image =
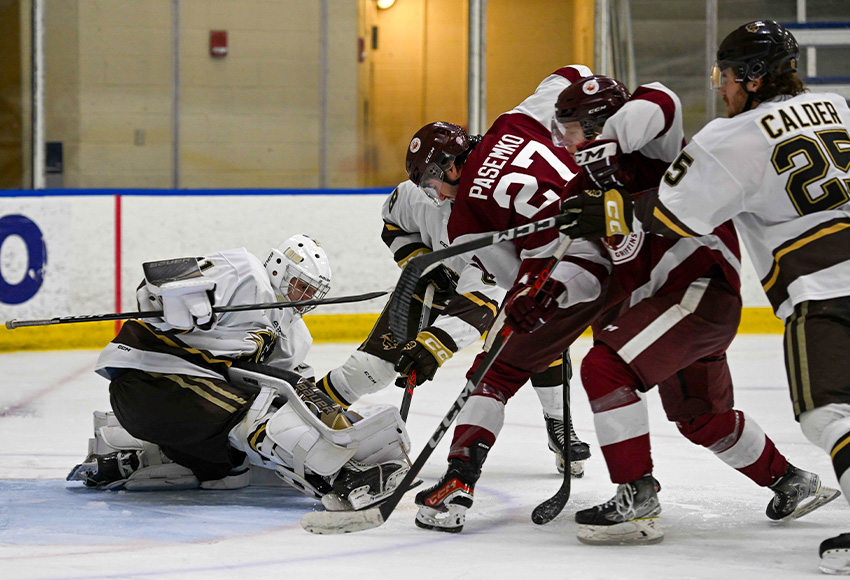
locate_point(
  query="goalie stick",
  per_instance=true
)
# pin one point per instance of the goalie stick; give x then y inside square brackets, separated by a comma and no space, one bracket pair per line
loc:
[343,522]
[549,509]
[427,302]
[12,324]
[417,267]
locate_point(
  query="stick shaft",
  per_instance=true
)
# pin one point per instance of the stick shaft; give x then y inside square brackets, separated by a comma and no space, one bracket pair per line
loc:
[12,324]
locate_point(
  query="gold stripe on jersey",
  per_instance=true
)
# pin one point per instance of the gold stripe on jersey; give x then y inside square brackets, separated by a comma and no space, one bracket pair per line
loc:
[474,309]
[670,224]
[814,250]
[185,384]
[791,362]
[174,344]
[805,382]
[841,444]
[482,302]
[407,253]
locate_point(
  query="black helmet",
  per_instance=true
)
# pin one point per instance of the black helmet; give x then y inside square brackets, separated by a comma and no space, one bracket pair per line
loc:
[757,49]
[589,101]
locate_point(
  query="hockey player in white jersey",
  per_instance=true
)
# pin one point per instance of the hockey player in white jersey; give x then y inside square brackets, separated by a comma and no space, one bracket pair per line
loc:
[199,397]
[464,306]
[779,168]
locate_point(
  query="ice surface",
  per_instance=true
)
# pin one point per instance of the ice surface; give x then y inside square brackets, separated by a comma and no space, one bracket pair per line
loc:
[713,517]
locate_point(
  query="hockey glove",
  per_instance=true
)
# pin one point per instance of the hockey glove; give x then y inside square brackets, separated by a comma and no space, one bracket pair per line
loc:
[601,163]
[598,214]
[425,354]
[525,313]
[188,303]
[443,279]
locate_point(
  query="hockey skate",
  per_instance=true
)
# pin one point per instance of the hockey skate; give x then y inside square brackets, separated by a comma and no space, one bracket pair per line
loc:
[835,555]
[443,506]
[630,517]
[359,486]
[792,489]
[110,471]
[579,450]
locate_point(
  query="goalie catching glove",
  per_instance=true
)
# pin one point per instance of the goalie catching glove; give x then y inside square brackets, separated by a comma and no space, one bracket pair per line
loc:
[425,355]
[599,214]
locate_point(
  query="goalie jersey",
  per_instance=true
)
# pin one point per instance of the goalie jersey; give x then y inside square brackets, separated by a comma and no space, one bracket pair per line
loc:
[415,225]
[276,337]
[780,173]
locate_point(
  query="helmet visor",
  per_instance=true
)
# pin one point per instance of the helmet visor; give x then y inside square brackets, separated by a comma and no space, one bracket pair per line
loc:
[432,183]
[567,134]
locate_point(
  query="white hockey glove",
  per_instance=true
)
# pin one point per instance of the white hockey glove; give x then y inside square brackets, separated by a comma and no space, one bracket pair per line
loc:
[188,303]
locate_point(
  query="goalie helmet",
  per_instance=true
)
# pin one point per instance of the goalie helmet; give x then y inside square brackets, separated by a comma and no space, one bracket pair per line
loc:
[431,153]
[756,49]
[299,270]
[589,101]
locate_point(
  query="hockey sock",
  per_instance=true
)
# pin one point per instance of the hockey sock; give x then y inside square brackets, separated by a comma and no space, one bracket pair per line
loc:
[619,414]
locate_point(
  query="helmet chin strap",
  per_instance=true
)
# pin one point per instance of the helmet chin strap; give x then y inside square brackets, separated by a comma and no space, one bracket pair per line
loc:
[750,97]
[452,181]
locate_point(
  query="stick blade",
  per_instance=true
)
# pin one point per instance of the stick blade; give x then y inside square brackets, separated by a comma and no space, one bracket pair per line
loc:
[549,509]
[342,522]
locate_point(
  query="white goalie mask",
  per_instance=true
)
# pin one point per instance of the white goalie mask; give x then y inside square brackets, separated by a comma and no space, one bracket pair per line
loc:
[299,270]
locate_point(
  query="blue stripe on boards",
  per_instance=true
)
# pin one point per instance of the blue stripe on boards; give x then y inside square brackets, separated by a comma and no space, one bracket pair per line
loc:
[188,192]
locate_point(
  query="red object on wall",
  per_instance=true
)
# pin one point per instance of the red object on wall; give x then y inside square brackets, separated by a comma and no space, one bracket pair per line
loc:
[218,43]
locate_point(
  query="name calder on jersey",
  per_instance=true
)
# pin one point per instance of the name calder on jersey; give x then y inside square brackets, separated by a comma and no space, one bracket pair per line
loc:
[799,116]
[492,165]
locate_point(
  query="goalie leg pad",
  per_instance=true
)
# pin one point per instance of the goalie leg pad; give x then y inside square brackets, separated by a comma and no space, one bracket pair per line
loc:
[117,460]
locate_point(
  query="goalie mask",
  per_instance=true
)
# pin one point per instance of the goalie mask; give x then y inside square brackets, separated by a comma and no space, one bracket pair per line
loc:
[299,270]
[584,106]
[431,153]
[754,50]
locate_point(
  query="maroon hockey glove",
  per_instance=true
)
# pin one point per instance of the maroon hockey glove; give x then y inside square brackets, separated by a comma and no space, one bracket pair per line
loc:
[598,214]
[600,161]
[526,313]
[425,354]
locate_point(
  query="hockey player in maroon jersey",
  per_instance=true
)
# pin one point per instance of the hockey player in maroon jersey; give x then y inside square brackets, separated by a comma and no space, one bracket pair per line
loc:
[672,309]
[778,168]
[513,176]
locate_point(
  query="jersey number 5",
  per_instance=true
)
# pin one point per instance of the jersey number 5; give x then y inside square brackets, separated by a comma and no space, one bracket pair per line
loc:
[831,148]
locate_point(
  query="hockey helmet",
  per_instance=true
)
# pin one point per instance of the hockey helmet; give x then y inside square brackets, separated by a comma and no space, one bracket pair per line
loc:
[754,50]
[431,153]
[299,270]
[589,101]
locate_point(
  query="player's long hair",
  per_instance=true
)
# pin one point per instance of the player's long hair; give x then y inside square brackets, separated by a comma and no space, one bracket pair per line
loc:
[783,84]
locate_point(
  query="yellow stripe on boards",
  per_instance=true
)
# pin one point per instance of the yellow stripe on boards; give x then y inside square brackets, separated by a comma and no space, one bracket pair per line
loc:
[323,327]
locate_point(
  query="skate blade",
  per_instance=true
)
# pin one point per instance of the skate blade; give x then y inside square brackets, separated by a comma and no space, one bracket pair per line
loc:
[451,520]
[360,498]
[341,522]
[335,503]
[577,469]
[823,496]
[835,562]
[633,532]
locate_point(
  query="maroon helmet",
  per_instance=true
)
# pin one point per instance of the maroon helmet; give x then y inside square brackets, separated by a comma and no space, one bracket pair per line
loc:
[431,153]
[589,101]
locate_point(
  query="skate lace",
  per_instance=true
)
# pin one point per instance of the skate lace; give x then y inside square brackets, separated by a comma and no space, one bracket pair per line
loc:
[573,437]
[558,428]
[624,502]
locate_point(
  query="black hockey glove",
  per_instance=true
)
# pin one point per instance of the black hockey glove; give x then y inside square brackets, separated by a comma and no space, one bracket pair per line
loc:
[443,279]
[425,355]
[598,214]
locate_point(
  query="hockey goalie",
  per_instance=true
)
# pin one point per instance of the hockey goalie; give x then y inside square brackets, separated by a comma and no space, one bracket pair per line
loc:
[212,400]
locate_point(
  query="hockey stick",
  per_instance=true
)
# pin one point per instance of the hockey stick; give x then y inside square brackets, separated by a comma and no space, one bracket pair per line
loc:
[427,302]
[417,267]
[549,509]
[343,522]
[12,324]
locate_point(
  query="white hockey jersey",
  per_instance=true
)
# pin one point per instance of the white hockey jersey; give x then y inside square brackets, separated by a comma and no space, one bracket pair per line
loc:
[780,173]
[414,225]
[276,337]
